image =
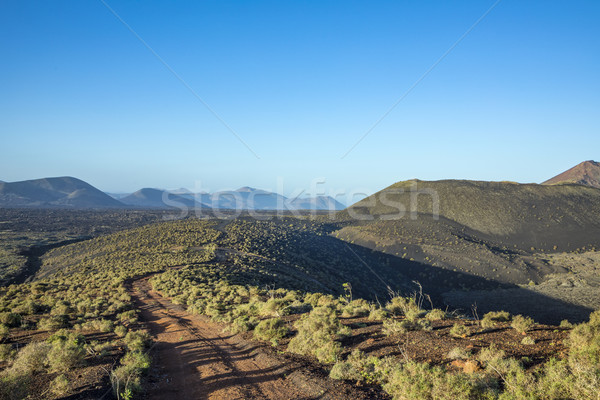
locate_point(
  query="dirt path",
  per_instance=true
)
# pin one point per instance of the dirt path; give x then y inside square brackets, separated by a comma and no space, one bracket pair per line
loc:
[195,360]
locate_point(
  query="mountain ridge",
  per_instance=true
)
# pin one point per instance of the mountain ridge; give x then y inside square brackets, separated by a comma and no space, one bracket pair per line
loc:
[586,173]
[65,191]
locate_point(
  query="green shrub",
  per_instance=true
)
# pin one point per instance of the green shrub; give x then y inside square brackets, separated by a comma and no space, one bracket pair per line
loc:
[65,355]
[378,314]
[32,358]
[10,319]
[528,341]
[128,317]
[404,306]
[53,323]
[317,334]
[522,324]
[137,340]
[413,380]
[566,324]
[557,381]
[458,353]
[356,308]
[275,308]
[361,368]
[242,324]
[102,325]
[120,331]
[272,330]
[435,315]
[392,327]
[137,359]
[584,357]
[14,384]
[125,381]
[4,332]
[344,370]
[490,319]
[60,386]
[459,330]
[7,353]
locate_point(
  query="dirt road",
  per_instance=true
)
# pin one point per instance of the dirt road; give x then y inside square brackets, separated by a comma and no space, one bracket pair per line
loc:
[194,359]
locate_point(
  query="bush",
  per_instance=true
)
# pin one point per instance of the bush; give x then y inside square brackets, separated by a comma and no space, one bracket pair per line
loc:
[7,353]
[272,330]
[404,306]
[458,353]
[566,324]
[128,317]
[413,380]
[53,323]
[137,359]
[584,358]
[435,315]
[32,358]
[317,332]
[125,381]
[10,319]
[522,324]
[137,340]
[120,331]
[356,308]
[275,308]
[242,324]
[344,370]
[14,384]
[66,354]
[60,386]
[528,341]
[102,325]
[4,332]
[392,327]
[378,314]
[490,319]
[459,330]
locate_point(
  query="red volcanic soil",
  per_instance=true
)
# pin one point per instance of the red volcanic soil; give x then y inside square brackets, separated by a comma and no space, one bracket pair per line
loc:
[195,359]
[587,173]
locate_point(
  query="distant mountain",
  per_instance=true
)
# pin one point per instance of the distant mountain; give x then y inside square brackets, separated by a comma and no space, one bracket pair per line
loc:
[54,192]
[245,198]
[316,203]
[157,198]
[118,196]
[587,173]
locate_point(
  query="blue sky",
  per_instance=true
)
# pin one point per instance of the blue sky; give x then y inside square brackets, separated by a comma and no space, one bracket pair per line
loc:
[300,82]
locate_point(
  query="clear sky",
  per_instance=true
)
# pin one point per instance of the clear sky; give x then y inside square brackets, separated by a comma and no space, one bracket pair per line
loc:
[518,98]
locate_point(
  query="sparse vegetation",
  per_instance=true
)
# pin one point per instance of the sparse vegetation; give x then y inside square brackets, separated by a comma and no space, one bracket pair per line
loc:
[265,277]
[317,334]
[272,329]
[460,330]
[522,324]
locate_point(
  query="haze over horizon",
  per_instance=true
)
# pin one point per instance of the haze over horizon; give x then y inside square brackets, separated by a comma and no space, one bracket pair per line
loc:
[300,84]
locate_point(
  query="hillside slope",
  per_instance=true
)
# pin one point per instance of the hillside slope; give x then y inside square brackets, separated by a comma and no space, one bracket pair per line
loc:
[54,192]
[511,214]
[587,173]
